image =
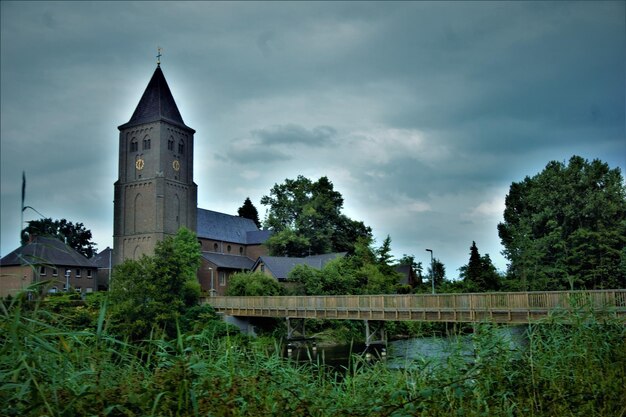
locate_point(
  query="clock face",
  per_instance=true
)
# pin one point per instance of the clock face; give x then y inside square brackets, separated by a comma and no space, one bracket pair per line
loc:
[139,164]
[176,165]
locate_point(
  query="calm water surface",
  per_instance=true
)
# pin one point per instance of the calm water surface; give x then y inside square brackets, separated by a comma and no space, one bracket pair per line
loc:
[402,353]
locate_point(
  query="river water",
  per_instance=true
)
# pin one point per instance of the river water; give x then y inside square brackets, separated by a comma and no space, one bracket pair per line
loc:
[402,353]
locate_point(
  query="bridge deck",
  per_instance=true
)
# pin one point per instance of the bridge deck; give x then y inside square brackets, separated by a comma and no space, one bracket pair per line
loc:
[501,307]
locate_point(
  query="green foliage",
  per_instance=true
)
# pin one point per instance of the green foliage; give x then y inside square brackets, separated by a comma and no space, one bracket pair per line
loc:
[480,274]
[438,270]
[367,271]
[565,227]
[572,369]
[288,242]
[306,219]
[248,211]
[416,266]
[75,236]
[253,283]
[155,290]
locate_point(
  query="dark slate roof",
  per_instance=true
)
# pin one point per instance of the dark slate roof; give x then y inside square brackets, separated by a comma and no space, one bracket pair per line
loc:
[46,251]
[222,260]
[156,104]
[281,266]
[104,258]
[258,236]
[228,228]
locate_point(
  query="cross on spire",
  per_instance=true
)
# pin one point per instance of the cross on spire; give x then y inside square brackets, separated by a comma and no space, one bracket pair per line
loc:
[158,57]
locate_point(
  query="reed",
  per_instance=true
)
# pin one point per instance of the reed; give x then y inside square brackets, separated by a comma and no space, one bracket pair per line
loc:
[49,368]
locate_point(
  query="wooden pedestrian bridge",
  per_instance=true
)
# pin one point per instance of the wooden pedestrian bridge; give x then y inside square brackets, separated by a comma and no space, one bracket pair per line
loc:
[498,307]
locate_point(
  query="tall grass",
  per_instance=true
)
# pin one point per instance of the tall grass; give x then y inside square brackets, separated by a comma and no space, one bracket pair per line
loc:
[576,369]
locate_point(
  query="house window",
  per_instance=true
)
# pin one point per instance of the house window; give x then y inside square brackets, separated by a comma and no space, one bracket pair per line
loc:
[215,247]
[42,270]
[222,278]
[77,272]
[146,143]
[53,290]
[170,144]
[134,145]
[262,268]
[228,248]
[55,272]
[88,289]
[240,250]
[77,289]
[89,273]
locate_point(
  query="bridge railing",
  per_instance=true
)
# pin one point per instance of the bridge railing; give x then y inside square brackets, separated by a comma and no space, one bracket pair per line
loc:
[512,301]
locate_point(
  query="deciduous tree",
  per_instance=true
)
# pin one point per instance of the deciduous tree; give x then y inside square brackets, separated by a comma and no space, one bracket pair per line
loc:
[253,283]
[566,227]
[154,291]
[75,236]
[306,219]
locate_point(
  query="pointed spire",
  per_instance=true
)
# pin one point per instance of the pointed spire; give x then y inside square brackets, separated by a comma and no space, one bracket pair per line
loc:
[156,104]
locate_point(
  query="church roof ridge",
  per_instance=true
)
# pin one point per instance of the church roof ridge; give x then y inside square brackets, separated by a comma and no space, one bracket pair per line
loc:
[156,104]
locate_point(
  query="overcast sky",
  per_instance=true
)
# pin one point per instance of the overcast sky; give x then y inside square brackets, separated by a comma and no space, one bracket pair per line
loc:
[421,114]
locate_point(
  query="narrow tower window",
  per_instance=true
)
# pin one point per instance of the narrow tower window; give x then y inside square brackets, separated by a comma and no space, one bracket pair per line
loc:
[134,145]
[170,144]
[181,147]
[146,143]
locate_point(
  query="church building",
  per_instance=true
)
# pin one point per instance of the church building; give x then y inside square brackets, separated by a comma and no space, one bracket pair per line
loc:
[155,194]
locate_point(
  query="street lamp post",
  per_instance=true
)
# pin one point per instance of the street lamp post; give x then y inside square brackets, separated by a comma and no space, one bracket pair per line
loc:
[212,292]
[67,279]
[432,269]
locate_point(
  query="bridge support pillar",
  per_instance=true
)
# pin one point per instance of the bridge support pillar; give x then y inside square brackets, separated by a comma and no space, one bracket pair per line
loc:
[295,326]
[375,332]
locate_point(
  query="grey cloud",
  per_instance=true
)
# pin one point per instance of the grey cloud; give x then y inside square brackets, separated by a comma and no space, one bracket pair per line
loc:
[295,134]
[256,155]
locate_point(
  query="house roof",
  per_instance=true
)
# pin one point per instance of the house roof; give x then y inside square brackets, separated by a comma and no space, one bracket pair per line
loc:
[46,251]
[281,266]
[156,104]
[222,260]
[229,228]
[103,259]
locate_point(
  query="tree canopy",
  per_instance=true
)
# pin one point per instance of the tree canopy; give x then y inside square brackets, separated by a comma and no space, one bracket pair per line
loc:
[155,290]
[366,271]
[480,274]
[565,228]
[75,236]
[248,211]
[253,283]
[306,219]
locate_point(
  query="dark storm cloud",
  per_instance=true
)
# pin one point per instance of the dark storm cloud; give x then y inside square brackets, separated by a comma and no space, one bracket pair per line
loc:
[421,113]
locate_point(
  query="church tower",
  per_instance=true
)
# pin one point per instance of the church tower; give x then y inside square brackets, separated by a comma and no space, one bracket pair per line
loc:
[155,194]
